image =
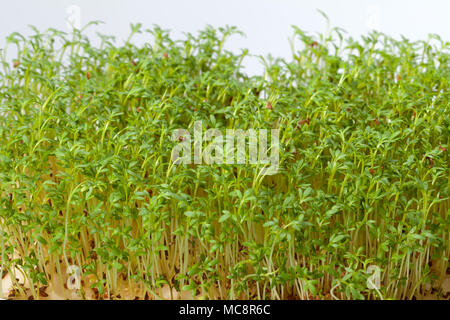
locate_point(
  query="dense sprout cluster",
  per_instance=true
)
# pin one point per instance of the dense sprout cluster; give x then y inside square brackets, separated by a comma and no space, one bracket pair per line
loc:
[86,176]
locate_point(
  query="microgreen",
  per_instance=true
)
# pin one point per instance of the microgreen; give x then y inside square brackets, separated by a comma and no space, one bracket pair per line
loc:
[86,176]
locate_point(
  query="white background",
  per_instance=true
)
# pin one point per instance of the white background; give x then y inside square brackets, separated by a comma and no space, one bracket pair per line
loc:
[266,23]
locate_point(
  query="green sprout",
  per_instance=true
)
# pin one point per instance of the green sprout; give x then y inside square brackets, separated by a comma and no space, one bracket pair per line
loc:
[86,177]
